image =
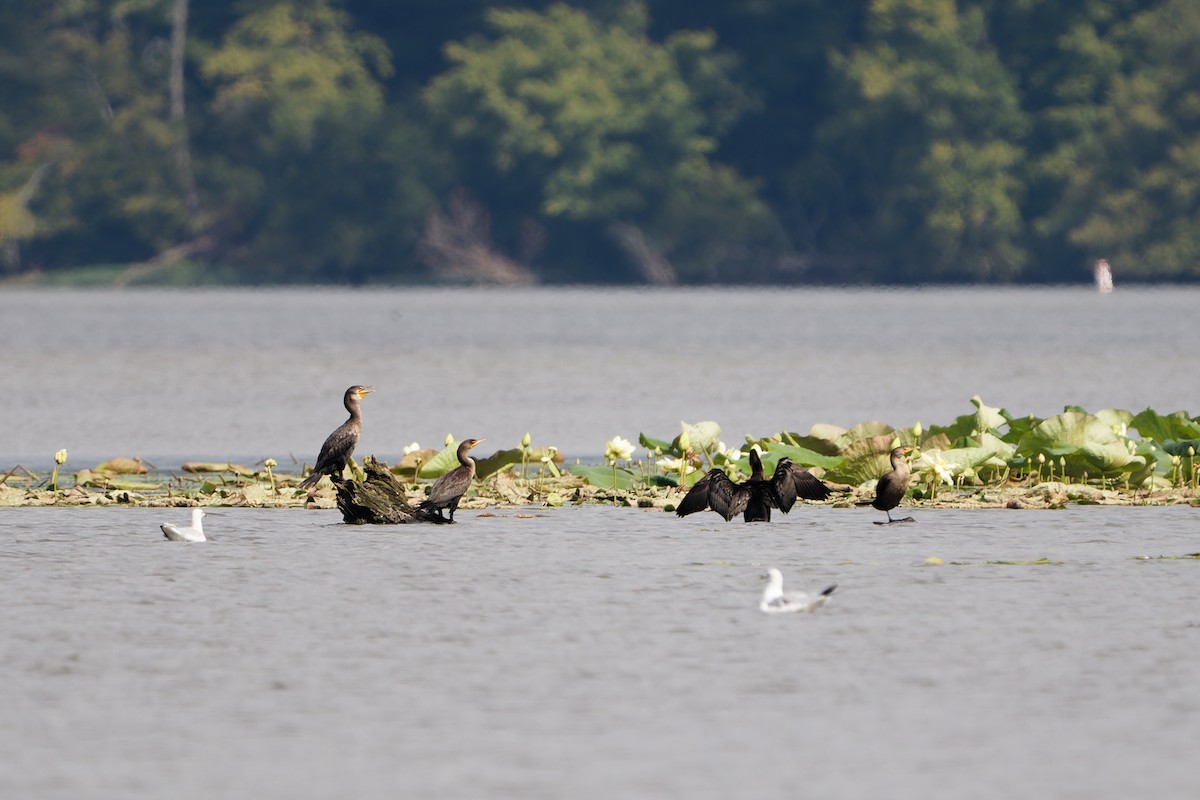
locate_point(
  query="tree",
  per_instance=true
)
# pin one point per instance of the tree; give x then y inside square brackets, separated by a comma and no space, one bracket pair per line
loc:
[920,152]
[582,119]
[1124,165]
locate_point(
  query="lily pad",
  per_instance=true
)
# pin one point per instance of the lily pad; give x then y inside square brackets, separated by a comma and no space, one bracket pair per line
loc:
[1087,444]
[603,476]
[865,460]
[702,436]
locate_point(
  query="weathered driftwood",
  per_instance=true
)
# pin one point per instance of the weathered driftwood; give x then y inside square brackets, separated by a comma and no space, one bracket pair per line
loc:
[378,500]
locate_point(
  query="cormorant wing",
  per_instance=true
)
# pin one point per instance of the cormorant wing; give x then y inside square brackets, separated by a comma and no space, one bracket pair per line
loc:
[791,481]
[714,491]
[451,485]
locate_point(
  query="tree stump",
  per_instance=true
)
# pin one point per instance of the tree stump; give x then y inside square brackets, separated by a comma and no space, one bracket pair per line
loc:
[378,500]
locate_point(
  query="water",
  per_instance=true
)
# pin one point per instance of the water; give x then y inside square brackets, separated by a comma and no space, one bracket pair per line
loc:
[596,653]
[584,652]
[245,375]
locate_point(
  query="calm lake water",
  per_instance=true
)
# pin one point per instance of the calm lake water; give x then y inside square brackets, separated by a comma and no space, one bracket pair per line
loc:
[585,652]
[598,653]
[245,375]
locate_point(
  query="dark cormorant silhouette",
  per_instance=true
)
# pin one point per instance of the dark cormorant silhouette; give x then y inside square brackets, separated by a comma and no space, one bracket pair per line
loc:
[755,497]
[892,486]
[449,489]
[341,443]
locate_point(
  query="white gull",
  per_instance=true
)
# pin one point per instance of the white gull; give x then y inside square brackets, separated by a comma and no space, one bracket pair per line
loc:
[192,533]
[774,601]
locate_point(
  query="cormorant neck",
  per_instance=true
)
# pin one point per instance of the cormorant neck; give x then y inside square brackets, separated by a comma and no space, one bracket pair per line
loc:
[756,467]
[463,455]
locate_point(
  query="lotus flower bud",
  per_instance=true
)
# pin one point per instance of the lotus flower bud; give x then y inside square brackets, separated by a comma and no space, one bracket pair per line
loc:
[270,463]
[917,429]
[60,457]
[526,440]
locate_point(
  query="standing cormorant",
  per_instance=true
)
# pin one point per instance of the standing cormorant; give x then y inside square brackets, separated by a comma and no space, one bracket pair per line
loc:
[449,489]
[340,445]
[890,489]
[755,497]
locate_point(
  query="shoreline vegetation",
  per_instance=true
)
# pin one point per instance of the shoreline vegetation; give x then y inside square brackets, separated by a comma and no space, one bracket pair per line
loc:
[985,459]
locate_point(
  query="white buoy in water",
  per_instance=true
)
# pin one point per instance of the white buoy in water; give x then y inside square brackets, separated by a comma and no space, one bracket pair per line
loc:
[1103,275]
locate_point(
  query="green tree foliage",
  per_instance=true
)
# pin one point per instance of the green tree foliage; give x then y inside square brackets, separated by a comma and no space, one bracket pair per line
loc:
[1125,164]
[602,124]
[926,138]
[651,140]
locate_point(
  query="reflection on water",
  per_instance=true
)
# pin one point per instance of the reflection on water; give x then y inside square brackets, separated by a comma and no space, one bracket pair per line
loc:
[597,653]
[251,374]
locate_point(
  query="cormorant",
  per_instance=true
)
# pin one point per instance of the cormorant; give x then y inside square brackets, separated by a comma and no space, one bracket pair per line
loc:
[340,445]
[890,489]
[755,497]
[774,601]
[449,489]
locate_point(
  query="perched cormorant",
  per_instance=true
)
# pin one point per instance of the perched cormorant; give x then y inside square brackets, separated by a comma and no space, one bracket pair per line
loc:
[449,489]
[892,486]
[340,445]
[755,497]
[192,533]
[774,601]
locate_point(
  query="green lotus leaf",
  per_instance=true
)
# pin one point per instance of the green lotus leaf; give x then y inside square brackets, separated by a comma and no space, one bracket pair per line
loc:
[998,446]
[828,433]
[962,458]
[1116,418]
[503,459]
[825,447]
[1151,425]
[865,460]
[800,455]
[938,441]
[703,436]
[1018,427]
[602,476]
[986,417]
[661,445]
[442,463]
[1084,440]
[867,430]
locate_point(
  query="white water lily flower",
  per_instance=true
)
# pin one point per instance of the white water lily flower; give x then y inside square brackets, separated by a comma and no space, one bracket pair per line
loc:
[412,448]
[941,469]
[679,465]
[618,449]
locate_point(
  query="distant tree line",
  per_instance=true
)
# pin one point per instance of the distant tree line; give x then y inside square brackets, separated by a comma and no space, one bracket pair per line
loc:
[657,141]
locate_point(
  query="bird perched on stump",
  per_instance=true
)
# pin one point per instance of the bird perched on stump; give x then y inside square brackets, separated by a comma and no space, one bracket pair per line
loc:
[449,489]
[892,486]
[755,497]
[341,443]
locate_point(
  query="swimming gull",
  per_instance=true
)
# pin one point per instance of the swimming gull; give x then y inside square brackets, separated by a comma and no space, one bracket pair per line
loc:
[774,601]
[192,533]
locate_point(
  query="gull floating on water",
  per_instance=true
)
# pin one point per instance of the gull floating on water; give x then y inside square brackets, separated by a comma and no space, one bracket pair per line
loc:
[774,601]
[192,533]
